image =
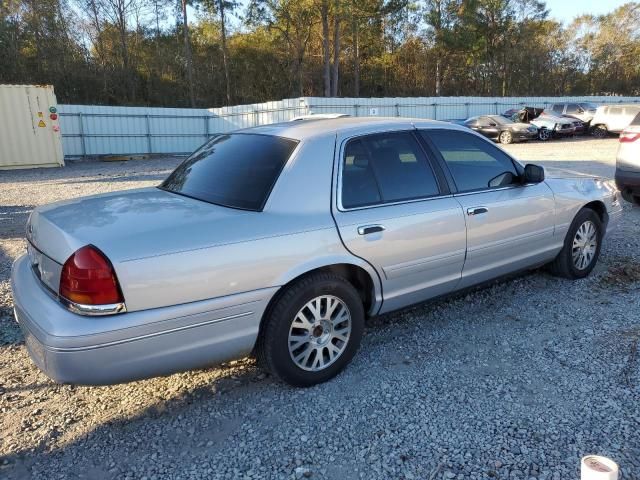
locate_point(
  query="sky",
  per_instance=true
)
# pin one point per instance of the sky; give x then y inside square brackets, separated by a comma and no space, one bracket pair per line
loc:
[567,10]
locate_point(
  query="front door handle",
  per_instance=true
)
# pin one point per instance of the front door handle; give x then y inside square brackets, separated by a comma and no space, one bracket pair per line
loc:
[477,210]
[367,229]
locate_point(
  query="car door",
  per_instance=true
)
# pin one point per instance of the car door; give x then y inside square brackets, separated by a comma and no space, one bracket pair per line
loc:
[510,226]
[488,127]
[393,208]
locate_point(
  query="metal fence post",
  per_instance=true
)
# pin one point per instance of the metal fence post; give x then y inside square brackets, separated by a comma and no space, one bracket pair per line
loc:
[148,122]
[206,128]
[397,109]
[82,138]
[435,111]
[466,111]
[355,109]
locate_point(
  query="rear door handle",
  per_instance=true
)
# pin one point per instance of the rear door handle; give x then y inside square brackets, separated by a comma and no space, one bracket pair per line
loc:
[367,229]
[477,210]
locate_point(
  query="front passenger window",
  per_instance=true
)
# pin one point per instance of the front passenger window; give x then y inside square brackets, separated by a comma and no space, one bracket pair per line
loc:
[474,163]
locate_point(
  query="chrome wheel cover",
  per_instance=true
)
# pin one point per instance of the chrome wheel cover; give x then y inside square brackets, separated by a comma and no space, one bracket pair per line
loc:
[585,244]
[319,333]
[505,137]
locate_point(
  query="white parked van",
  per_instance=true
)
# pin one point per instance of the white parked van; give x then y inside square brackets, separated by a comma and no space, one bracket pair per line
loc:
[613,119]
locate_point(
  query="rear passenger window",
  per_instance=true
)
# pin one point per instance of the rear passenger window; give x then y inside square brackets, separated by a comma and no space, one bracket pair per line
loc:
[474,163]
[636,121]
[384,168]
[558,108]
[573,108]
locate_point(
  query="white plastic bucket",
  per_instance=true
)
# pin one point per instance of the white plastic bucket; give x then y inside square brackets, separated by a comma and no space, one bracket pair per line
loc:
[594,467]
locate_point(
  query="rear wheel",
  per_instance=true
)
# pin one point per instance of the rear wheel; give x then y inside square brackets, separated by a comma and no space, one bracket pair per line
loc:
[544,134]
[313,330]
[600,131]
[506,137]
[581,246]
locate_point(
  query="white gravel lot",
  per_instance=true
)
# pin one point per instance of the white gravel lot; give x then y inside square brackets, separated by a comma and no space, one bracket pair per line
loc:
[514,381]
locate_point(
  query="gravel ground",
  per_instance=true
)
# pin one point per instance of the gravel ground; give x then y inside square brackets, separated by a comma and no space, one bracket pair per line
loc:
[514,381]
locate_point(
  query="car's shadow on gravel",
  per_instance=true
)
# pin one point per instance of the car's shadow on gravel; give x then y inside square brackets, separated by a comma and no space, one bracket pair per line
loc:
[232,383]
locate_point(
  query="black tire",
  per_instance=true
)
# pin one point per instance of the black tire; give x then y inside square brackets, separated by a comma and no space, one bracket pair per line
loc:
[272,349]
[506,137]
[628,196]
[563,265]
[544,135]
[600,131]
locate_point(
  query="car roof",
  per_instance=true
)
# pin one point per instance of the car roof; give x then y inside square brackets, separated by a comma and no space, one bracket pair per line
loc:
[313,128]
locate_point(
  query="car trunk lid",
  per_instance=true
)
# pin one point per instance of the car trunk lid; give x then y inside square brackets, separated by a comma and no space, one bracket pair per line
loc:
[126,225]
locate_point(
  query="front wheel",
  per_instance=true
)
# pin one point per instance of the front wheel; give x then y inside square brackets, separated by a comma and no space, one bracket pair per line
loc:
[544,134]
[312,331]
[506,137]
[581,246]
[600,131]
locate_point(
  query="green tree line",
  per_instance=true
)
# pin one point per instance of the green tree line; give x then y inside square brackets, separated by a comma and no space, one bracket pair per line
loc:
[207,53]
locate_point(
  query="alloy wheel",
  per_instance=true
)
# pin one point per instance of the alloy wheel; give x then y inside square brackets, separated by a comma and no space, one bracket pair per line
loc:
[506,137]
[319,333]
[585,244]
[544,134]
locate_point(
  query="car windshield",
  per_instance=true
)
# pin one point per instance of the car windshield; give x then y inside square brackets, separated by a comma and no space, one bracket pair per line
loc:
[232,170]
[588,106]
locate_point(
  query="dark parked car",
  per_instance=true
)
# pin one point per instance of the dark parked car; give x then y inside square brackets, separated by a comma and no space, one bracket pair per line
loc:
[501,129]
[548,126]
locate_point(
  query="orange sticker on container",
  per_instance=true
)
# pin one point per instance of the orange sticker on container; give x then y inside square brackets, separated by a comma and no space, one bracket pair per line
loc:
[41,124]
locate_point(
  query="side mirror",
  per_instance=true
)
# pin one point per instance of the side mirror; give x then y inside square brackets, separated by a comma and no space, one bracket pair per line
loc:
[533,173]
[493,124]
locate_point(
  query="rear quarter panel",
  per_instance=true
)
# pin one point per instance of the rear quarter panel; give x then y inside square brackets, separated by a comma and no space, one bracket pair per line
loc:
[289,238]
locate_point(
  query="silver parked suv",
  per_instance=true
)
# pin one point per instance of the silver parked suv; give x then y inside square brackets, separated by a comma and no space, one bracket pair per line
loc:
[281,239]
[583,111]
[628,162]
[612,119]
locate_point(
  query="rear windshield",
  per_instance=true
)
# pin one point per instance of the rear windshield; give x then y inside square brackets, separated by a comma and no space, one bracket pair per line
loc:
[232,170]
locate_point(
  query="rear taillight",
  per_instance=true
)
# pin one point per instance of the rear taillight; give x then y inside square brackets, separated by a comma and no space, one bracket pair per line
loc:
[629,137]
[88,278]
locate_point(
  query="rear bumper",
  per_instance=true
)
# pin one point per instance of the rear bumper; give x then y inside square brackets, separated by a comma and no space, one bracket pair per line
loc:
[628,181]
[72,348]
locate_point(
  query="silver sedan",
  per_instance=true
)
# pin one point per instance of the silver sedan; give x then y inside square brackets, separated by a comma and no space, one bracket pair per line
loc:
[280,240]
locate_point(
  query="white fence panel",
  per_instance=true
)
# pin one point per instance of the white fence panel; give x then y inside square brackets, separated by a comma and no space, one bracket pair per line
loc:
[98,130]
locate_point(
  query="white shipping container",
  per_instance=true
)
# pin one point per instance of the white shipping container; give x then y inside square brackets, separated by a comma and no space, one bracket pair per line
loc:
[29,127]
